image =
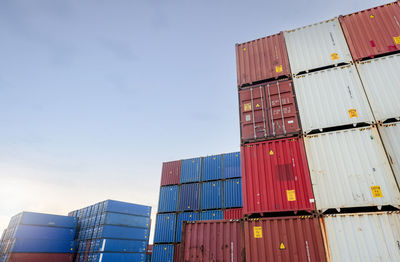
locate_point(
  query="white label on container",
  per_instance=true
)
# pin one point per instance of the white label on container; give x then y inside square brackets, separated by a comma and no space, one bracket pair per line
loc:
[290,122]
[312,200]
[104,243]
[248,117]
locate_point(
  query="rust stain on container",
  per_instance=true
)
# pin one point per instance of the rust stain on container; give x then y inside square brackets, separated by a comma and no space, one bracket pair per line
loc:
[262,59]
[373,31]
[171,173]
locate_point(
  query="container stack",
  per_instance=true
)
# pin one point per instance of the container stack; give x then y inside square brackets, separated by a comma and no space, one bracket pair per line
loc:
[112,231]
[35,237]
[203,188]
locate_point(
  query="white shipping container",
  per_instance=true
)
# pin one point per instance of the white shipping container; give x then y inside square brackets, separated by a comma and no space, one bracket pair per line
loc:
[362,237]
[349,168]
[390,134]
[331,97]
[381,80]
[315,46]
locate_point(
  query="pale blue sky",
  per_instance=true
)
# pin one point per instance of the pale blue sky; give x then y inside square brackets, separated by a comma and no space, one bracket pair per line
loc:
[95,95]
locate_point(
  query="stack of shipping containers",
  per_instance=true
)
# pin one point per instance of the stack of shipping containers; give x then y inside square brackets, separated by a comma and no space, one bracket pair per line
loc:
[112,231]
[38,237]
[204,188]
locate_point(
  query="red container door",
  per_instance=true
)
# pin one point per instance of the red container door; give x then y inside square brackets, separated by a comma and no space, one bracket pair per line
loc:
[275,177]
[268,111]
[171,173]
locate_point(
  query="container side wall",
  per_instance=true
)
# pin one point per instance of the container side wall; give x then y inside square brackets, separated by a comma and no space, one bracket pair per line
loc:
[186,216]
[212,168]
[163,253]
[191,170]
[233,193]
[232,165]
[171,173]
[189,198]
[165,228]
[233,213]
[168,201]
[212,215]
[211,195]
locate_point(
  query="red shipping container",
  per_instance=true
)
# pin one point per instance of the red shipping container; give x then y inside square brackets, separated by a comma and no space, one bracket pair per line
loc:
[40,257]
[275,177]
[262,59]
[213,240]
[177,252]
[233,213]
[171,173]
[373,31]
[149,249]
[284,239]
[268,111]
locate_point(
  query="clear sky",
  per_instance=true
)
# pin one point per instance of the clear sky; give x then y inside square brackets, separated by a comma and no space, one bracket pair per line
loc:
[95,95]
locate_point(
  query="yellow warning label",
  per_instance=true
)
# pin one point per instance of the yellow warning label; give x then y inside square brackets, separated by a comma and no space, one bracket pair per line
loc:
[247,107]
[353,113]
[376,191]
[291,195]
[278,69]
[334,56]
[397,40]
[271,153]
[282,246]
[213,214]
[237,183]
[165,248]
[257,105]
[371,16]
[213,184]
[257,232]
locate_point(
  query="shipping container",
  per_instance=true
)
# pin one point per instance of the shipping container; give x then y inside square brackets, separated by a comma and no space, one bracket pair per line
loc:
[171,173]
[116,257]
[362,237]
[233,193]
[219,240]
[39,246]
[39,257]
[189,198]
[381,80]
[390,134]
[232,165]
[268,111]
[117,219]
[43,232]
[212,215]
[163,253]
[373,31]
[233,213]
[284,239]
[275,177]
[118,245]
[212,168]
[211,195]
[126,208]
[350,169]
[262,59]
[168,201]
[165,228]
[120,232]
[186,216]
[330,98]
[177,253]
[40,219]
[191,170]
[316,46]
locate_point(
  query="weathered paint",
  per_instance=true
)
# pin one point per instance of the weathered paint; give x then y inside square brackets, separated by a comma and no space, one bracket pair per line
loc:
[171,173]
[186,216]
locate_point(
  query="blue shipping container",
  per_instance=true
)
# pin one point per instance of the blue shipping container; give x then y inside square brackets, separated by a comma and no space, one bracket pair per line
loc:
[187,216]
[189,197]
[120,232]
[40,246]
[212,168]
[118,245]
[212,215]
[126,208]
[163,253]
[116,257]
[191,170]
[233,193]
[39,219]
[148,257]
[43,232]
[165,228]
[232,165]
[118,219]
[211,195]
[168,201]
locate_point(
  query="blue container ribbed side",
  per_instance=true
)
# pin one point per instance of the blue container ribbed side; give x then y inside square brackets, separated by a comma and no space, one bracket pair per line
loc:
[126,208]
[191,170]
[212,215]
[118,245]
[211,195]
[119,232]
[43,232]
[163,253]
[212,168]
[187,216]
[39,219]
[168,201]
[233,193]
[232,165]
[118,219]
[116,257]
[189,197]
[40,246]
[165,228]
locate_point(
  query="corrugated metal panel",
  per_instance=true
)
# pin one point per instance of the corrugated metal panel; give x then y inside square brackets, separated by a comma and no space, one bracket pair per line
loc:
[189,197]
[284,239]
[40,246]
[373,31]
[39,257]
[233,213]
[332,97]
[390,134]
[232,165]
[120,232]
[363,237]
[165,228]
[171,173]
[43,232]
[177,253]
[315,46]
[186,216]
[163,253]
[212,168]
[118,245]
[381,80]
[211,195]
[126,208]
[212,215]
[168,201]
[275,177]
[117,219]
[262,59]
[350,169]
[116,257]
[268,111]
[40,219]
[191,170]
[212,241]
[233,193]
